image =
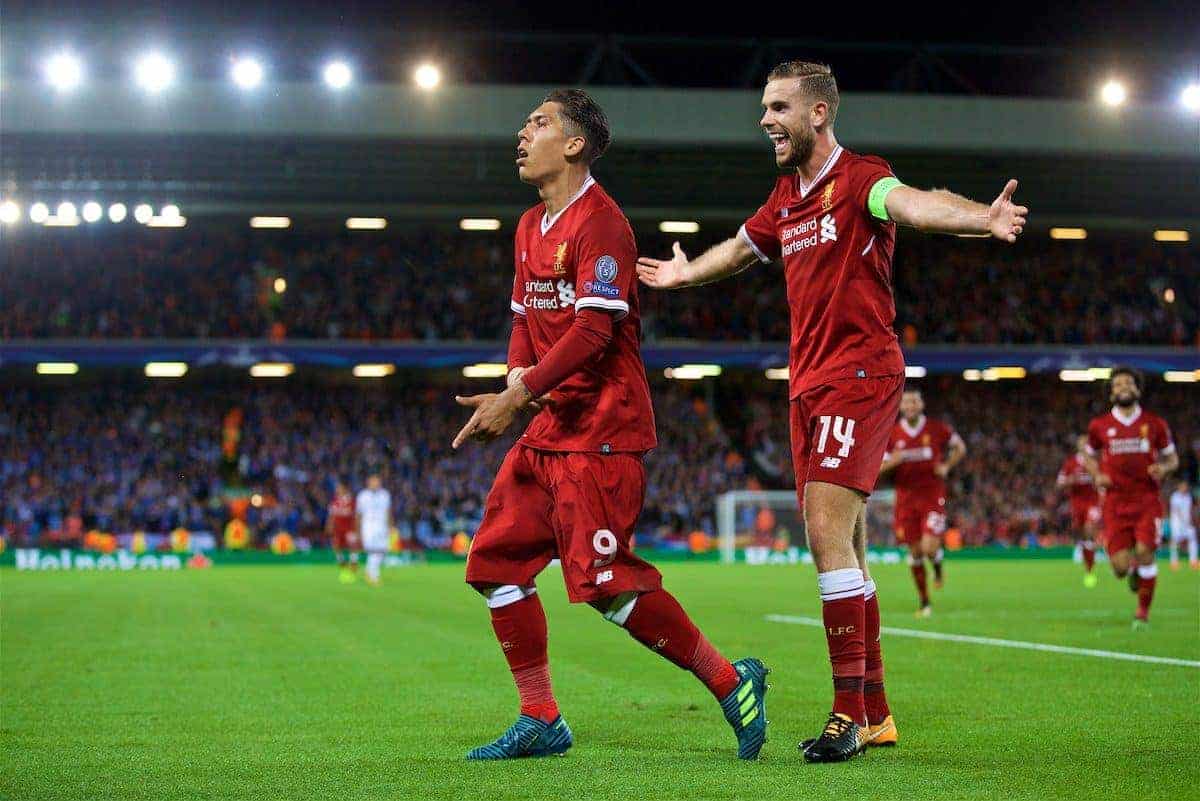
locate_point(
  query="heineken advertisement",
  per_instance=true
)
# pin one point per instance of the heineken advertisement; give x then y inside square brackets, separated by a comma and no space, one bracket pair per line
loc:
[50,559]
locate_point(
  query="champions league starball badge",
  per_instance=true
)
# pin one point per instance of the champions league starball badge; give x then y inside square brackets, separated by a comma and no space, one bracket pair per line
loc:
[606,269]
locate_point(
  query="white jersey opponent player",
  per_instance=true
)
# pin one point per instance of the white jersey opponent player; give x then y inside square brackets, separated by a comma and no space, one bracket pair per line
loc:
[1183,525]
[373,508]
[832,220]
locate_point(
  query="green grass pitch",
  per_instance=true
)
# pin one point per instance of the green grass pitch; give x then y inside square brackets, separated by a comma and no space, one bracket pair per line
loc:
[280,683]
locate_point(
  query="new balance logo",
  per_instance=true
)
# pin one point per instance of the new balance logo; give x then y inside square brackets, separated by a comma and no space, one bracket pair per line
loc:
[828,228]
[831,462]
[603,576]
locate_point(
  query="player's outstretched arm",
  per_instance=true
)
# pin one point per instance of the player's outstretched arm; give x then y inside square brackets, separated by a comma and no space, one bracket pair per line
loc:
[943,212]
[720,261]
[1165,466]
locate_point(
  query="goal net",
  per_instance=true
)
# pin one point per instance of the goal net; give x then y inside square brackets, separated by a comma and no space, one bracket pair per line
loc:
[762,527]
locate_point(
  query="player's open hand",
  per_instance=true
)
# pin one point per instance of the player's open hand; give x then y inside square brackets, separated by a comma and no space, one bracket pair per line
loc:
[1006,220]
[1157,471]
[664,274]
[493,415]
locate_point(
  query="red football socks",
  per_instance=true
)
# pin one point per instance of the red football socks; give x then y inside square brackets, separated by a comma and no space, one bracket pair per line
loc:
[843,608]
[873,695]
[659,623]
[918,571]
[521,631]
[1089,555]
[1147,578]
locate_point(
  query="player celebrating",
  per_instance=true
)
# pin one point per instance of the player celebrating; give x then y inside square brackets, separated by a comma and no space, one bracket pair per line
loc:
[1074,477]
[1129,453]
[339,525]
[833,222]
[922,452]
[1183,525]
[373,508]
[572,486]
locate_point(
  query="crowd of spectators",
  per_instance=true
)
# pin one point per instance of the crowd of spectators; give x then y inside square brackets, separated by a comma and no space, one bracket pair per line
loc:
[211,282]
[125,457]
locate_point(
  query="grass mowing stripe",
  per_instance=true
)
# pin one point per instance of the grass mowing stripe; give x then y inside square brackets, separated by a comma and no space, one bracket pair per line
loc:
[1028,646]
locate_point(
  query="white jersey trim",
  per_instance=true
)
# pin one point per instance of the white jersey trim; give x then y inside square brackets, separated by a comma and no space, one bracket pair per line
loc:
[745,235]
[821,173]
[516,307]
[619,306]
[912,432]
[1127,421]
[548,222]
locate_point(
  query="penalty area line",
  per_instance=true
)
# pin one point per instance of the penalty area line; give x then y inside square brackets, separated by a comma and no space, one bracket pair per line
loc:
[998,643]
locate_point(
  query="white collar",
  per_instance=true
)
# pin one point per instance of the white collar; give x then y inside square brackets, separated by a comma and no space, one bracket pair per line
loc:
[821,173]
[548,221]
[912,432]
[1127,421]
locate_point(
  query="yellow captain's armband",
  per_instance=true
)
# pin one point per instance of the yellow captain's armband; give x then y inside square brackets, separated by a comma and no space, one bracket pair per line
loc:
[877,199]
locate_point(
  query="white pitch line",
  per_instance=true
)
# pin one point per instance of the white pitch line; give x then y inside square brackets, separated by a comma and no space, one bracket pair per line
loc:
[1028,646]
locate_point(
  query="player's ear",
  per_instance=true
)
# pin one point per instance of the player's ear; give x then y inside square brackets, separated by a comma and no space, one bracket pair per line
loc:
[574,147]
[819,114]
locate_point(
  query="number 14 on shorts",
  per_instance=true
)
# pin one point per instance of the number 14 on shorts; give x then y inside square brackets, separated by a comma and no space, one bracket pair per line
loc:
[842,429]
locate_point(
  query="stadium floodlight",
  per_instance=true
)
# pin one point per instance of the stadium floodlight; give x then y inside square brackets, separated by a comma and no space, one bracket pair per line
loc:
[692,372]
[272,369]
[65,210]
[778,373]
[337,75]
[914,371]
[485,370]
[972,375]
[1169,295]
[117,212]
[1189,98]
[479,224]
[154,72]
[1085,374]
[1167,235]
[1068,233]
[270,222]
[679,226]
[999,373]
[65,216]
[143,212]
[279,285]
[92,211]
[1181,376]
[1113,93]
[168,211]
[427,77]
[39,212]
[247,73]
[57,368]
[366,223]
[10,212]
[374,370]
[64,71]
[166,222]
[166,369]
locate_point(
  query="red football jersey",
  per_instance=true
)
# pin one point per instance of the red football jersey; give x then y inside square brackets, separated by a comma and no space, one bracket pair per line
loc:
[837,262]
[584,258]
[341,512]
[1078,481]
[1127,446]
[921,447]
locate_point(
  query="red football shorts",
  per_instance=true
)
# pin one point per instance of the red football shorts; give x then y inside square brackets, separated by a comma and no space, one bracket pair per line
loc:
[840,431]
[577,507]
[345,540]
[1131,520]
[919,516]
[1085,514]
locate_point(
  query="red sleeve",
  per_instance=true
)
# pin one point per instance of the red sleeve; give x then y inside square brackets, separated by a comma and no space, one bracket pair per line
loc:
[867,171]
[760,233]
[604,263]
[586,339]
[520,346]
[1095,441]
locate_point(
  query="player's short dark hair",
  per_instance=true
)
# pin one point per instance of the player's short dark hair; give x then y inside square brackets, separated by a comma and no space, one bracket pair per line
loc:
[817,80]
[582,116]
[1139,380]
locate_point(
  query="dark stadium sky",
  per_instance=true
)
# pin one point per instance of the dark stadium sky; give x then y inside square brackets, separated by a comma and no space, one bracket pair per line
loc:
[1133,25]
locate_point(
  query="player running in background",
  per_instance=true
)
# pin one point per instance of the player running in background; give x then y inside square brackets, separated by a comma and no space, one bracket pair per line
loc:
[1074,478]
[373,508]
[573,485]
[832,220]
[340,527]
[1183,525]
[922,451]
[1129,453]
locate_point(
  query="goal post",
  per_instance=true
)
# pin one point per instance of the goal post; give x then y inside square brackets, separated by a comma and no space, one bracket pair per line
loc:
[764,525]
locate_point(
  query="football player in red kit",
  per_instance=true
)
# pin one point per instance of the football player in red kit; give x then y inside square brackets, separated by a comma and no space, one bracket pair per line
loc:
[832,220]
[572,486]
[922,451]
[1074,478]
[1129,453]
[339,525]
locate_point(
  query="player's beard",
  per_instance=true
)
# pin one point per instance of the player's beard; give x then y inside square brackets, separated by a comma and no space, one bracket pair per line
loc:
[1126,400]
[802,144]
